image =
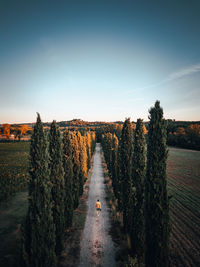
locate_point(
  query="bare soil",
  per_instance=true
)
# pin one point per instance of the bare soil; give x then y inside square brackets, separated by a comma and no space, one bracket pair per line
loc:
[183,171]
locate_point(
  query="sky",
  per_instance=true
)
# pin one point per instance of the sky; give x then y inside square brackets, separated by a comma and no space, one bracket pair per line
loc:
[99,60]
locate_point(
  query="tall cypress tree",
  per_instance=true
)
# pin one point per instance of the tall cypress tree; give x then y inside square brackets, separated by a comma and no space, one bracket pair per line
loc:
[156,197]
[119,175]
[58,184]
[38,244]
[82,162]
[76,169]
[115,164]
[126,150]
[84,158]
[108,150]
[88,140]
[93,136]
[68,176]
[138,176]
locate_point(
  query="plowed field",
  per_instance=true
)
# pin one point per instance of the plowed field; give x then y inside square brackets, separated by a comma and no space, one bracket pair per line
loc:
[183,170]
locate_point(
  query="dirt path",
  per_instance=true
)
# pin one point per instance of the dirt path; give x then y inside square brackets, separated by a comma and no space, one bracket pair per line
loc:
[97,248]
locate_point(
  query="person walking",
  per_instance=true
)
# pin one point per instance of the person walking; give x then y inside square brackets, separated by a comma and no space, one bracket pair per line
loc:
[98,207]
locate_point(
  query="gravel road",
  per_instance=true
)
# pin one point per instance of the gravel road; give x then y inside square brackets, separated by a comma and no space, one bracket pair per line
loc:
[97,248]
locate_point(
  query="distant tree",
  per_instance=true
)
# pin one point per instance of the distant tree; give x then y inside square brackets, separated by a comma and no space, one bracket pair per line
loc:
[180,131]
[20,130]
[126,150]
[58,184]
[68,175]
[138,176]
[156,197]
[76,169]
[38,232]
[6,130]
[193,134]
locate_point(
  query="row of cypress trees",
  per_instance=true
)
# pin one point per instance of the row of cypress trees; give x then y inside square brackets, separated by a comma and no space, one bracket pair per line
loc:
[58,169]
[138,174]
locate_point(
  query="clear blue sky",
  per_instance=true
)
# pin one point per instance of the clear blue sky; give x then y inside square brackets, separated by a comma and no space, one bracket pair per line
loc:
[99,60]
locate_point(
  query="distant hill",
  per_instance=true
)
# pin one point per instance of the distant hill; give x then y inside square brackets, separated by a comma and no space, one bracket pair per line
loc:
[82,123]
[73,123]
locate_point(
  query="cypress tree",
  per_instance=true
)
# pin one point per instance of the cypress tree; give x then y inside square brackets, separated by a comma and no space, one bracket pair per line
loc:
[58,184]
[38,241]
[156,197]
[138,176]
[68,176]
[82,162]
[119,175]
[108,151]
[115,164]
[88,144]
[126,150]
[84,158]
[93,135]
[76,169]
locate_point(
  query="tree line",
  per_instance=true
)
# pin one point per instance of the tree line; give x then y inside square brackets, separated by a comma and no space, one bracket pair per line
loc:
[58,170]
[137,167]
[16,130]
[183,134]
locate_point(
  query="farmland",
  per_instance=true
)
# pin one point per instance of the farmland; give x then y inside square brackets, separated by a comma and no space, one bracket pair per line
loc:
[183,170]
[13,167]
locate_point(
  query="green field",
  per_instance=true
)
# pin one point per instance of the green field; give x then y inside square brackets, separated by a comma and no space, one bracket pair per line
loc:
[13,178]
[183,170]
[13,168]
[12,213]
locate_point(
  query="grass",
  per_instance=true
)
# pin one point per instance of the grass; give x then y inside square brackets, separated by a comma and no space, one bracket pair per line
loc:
[13,178]
[12,213]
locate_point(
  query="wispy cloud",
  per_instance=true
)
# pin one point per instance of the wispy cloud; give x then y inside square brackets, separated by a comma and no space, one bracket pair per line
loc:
[184,72]
[171,77]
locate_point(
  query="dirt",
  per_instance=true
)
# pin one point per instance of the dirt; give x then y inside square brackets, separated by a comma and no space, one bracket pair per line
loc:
[183,170]
[97,248]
